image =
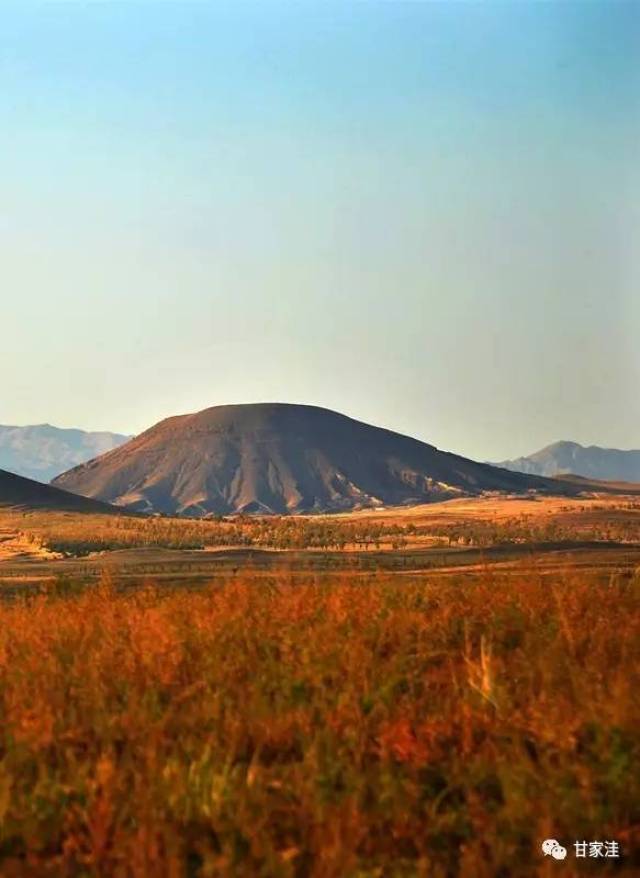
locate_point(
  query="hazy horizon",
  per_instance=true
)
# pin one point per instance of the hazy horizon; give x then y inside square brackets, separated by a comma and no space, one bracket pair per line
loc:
[132,435]
[420,215]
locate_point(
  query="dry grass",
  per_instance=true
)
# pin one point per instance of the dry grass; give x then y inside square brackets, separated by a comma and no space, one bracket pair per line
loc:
[480,522]
[325,729]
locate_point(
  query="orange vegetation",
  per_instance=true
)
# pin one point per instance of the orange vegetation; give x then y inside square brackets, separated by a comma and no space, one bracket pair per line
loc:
[320,728]
[479,522]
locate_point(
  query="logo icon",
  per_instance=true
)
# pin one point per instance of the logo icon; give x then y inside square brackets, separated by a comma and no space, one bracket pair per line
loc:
[551,847]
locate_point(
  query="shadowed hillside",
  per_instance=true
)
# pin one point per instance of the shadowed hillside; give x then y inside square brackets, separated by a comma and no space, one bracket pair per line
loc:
[281,458]
[16,491]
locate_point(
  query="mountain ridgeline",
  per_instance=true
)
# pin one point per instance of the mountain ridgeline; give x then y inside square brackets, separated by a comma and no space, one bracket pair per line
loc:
[281,458]
[608,464]
[41,451]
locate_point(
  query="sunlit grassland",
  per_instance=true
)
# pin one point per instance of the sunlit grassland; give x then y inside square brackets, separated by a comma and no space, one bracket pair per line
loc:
[292,727]
[478,522]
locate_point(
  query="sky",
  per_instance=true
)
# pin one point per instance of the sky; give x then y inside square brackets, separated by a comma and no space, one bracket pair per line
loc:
[424,215]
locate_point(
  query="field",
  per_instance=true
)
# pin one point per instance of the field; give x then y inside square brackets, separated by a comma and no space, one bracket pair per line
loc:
[426,692]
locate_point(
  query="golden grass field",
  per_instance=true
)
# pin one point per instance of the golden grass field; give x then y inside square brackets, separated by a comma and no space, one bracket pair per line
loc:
[310,701]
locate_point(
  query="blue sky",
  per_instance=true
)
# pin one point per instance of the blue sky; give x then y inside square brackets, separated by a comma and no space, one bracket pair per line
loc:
[425,215]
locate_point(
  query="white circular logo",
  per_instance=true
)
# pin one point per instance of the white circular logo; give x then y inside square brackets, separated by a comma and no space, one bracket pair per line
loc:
[551,847]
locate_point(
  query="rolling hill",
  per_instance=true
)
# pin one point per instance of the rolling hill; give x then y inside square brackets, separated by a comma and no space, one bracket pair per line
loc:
[281,458]
[593,462]
[19,492]
[41,451]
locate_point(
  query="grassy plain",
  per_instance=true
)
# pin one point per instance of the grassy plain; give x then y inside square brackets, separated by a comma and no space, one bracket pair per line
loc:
[425,692]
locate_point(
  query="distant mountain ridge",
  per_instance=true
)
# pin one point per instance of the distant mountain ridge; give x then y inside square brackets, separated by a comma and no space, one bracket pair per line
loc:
[282,458]
[42,452]
[608,464]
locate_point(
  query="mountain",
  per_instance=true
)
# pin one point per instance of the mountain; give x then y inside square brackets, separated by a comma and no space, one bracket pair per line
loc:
[608,464]
[41,452]
[279,458]
[18,492]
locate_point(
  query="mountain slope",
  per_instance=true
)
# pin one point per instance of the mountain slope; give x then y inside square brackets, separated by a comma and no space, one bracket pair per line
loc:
[280,458]
[41,451]
[609,464]
[18,492]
